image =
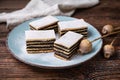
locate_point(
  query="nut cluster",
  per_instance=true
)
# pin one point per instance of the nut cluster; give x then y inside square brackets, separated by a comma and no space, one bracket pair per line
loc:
[86,45]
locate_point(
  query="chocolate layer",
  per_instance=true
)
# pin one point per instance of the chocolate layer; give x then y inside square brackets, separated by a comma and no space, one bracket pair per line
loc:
[51,27]
[39,43]
[63,47]
[83,29]
[39,51]
[46,48]
[64,56]
[84,32]
[39,46]
[65,52]
[42,41]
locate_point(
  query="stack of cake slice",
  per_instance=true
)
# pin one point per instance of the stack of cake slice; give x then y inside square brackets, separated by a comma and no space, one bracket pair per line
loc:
[39,41]
[79,26]
[45,23]
[67,45]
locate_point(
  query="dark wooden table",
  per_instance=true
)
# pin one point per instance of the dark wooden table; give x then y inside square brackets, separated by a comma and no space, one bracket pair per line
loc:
[98,68]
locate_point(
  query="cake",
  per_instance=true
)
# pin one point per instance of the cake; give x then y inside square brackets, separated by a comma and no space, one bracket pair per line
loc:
[78,25]
[66,46]
[45,23]
[39,41]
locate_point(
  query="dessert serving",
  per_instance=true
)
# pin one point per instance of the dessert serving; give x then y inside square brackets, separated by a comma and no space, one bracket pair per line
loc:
[79,26]
[42,40]
[17,43]
[39,41]
[66,46]
[48,22]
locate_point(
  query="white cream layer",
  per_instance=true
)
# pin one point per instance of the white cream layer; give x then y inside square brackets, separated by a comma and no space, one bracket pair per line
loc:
[74,24]
[39,35]
[43,22]
[69,39]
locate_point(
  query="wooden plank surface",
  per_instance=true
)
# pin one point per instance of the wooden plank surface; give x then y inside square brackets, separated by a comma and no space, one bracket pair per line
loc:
[98,68]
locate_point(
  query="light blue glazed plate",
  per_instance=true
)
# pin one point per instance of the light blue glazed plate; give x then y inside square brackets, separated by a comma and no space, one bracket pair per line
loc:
[16,44]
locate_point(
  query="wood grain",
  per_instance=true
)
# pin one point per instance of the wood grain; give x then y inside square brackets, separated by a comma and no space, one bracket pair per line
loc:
[98,68]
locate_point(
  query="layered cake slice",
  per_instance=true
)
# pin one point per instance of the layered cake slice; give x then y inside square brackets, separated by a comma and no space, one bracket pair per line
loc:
[67,45]
[39,41]
[79,26]
[45,23]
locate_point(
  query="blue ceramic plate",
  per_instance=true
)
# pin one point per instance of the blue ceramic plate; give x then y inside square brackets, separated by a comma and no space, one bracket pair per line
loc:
[17,46]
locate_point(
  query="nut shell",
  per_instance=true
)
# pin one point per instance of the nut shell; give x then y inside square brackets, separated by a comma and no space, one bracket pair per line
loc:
[108,51]
[85,46]
[107,29]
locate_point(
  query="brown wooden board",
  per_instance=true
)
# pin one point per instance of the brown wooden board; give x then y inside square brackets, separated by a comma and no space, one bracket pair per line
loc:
[98,68]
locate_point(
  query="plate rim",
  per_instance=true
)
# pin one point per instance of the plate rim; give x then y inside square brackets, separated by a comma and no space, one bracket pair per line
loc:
[50,67]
